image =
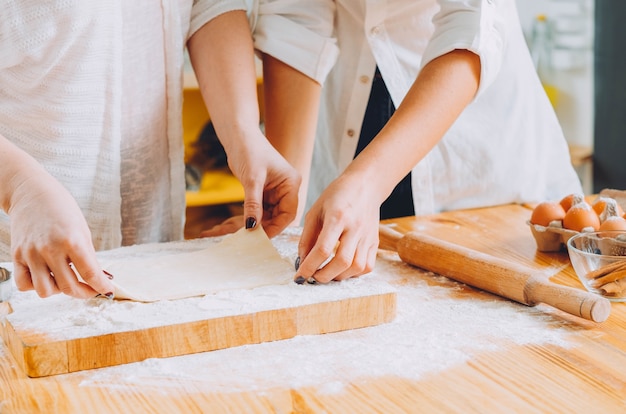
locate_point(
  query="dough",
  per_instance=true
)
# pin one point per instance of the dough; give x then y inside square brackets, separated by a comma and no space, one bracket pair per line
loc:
[243,260]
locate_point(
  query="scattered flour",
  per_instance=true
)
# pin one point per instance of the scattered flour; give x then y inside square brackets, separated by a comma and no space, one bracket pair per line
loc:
[438,326]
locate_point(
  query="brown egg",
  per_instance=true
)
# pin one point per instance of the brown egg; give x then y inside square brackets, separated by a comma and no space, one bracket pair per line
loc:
[581,216]
[571,199]
[613,223]
[602,204]
[547,212]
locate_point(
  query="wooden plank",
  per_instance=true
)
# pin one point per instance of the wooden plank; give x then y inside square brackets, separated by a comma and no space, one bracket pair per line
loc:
[40,356]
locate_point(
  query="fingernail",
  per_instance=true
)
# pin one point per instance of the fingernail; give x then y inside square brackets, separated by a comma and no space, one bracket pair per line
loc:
[109,275]
[299,280]
[250,223]
[108,295]
[297,263]
[311,281]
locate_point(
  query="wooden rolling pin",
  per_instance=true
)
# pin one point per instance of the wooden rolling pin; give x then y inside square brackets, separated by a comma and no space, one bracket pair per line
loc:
[501,277]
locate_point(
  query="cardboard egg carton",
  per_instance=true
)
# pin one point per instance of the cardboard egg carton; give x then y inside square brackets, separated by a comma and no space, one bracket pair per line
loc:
[553,238]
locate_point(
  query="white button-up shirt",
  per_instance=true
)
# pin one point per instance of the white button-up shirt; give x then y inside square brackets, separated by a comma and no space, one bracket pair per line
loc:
[507,145]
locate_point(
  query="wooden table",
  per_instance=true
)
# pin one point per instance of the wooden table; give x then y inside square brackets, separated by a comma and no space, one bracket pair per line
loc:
[587,377]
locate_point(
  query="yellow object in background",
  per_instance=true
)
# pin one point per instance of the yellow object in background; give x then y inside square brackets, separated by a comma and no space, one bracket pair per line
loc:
[216,187]
[195,117]
[553,94]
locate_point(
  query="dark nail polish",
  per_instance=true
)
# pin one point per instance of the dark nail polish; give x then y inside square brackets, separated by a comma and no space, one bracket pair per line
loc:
[311,281]
[297,263]
[250,223]
[108,295]
[109,275]
[299,280]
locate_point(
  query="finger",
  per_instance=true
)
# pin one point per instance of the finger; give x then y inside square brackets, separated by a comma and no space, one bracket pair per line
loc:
[215,231]
[307,240]
[371,258]
[322,250]
[43,281]
[87,266]
[282,215]
[22,277]
[68,283]
[278,222]
[228,226]
[221,230]
[252,205]
[310,232]
[343,262]
[363,263]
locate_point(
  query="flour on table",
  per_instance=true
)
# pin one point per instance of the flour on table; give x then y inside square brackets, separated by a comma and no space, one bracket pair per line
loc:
[243,260]
[437,328]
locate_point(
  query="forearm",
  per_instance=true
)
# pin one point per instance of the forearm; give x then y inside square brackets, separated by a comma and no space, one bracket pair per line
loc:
[222,56]
[17,168]
[441,91]
[291,111]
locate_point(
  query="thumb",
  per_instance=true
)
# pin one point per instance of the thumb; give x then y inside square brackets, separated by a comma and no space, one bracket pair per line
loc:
[253,206]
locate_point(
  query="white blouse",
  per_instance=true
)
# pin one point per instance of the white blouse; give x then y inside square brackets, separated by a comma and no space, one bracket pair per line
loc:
[507,146]
[93,91]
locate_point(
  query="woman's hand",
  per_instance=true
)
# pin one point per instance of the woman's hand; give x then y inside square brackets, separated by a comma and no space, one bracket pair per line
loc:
[49,237]
[346,215]
[341,228]
[270,185]
[222,55]
[230,225]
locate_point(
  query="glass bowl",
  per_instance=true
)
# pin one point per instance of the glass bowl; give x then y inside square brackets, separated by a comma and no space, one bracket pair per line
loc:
[599,260]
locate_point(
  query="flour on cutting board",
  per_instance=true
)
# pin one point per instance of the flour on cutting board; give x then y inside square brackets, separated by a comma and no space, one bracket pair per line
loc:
[61,317]
[436,328]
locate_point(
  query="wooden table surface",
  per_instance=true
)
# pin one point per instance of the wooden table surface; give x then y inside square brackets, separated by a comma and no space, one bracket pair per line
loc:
[589,376]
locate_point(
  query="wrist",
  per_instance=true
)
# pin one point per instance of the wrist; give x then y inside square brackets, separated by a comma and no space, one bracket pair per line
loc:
[370,178]
[239,136]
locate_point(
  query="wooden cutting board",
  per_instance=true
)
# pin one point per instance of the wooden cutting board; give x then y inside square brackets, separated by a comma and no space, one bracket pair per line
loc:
[39,355]
[311,310]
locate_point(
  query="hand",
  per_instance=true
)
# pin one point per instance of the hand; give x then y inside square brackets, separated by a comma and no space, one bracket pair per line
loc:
[230,225]
[48,233]
[345,217]
[270,186]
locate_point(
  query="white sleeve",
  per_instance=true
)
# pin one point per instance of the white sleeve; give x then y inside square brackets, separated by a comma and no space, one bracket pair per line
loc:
[204,11]
[299,33]
[475,25]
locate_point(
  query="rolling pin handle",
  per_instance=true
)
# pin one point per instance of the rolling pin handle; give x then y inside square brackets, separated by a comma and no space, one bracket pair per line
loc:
[568,299]
[388,238]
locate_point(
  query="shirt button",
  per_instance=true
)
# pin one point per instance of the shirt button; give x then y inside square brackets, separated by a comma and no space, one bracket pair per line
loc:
[364,79]
[350,132]
[375,31]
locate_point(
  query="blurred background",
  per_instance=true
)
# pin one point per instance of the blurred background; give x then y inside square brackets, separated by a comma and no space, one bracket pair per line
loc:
[560,35]
[576,45]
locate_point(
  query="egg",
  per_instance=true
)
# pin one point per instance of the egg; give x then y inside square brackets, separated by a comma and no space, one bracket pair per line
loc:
[547,212]
[571,199]
[607,206]
[613,223]
[581,216]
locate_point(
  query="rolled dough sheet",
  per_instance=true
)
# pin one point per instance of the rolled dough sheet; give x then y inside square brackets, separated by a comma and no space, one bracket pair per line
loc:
[243,260]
